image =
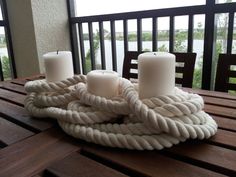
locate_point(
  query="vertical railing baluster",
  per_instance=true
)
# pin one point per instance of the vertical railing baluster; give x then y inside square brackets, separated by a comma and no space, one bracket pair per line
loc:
[1,72]
[154,33]
[190,33]
[102,45]
[7,29]
[139,34]
[171,34]
[91,45]
[82,52]
[230,32]
[73,37]
[113,45]
[74,47]
[208,45]
[125,30]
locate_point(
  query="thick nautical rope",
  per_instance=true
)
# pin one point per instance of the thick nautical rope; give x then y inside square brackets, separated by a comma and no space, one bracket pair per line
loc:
[124,121]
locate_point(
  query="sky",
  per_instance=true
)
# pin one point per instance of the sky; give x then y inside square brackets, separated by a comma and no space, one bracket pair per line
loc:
[1,28]
[98,7]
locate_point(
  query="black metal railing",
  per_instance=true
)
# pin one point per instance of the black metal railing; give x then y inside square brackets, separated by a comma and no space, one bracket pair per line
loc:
[11,63]
[210,9]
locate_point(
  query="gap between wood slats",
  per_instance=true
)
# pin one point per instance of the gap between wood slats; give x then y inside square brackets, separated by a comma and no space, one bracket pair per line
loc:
[19,116]
[13,102]
[13,88]
[223,138]
[226,146]
[11,133]
[19,82]
[220,102]
[204,155]
[223,116]
[30,156]
[12,97]
[78,165]
[144,163]
[2,144]
[229,113]
[115,166]
[225,123]
[19,123]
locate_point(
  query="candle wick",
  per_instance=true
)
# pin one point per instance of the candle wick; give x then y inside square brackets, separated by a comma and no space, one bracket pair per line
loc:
[57,52]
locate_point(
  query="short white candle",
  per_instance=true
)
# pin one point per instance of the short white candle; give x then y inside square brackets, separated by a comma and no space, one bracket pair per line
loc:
[156,74]
[58,66]
[103,83]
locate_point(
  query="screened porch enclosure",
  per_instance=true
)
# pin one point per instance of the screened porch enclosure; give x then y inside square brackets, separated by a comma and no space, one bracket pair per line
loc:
[100,41]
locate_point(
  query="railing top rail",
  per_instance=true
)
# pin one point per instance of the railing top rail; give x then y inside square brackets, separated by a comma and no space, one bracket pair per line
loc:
[177,11]
[142,14]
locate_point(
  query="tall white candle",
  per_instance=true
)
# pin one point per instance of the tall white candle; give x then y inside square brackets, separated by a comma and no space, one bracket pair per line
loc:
[156,74]
[58,66]
[103,83]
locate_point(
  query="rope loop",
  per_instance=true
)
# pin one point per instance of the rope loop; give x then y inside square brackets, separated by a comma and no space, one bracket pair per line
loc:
[124,121]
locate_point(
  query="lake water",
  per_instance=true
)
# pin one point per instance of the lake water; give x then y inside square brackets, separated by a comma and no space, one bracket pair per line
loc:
[197,45]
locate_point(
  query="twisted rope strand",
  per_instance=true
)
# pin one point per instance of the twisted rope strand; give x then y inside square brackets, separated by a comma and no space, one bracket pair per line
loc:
[155,123]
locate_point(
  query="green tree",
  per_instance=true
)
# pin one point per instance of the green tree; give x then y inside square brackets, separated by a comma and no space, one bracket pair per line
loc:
[132,37]
[6,67]
[88,64]
[180,37]
[147,36]
[197,75]
[162,48]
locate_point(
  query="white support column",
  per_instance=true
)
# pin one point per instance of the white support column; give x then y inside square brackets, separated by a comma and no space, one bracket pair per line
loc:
[37,27]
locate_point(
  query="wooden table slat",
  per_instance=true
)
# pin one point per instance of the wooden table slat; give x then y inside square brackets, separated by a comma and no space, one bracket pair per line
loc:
[12,133]
[146,163]
[27,152]
[31,156]
[12,97]
[20,116]
[77,165]
[209,156]
[220,102]
[220,111]
[12,87]
[224,138]
[225,123]
[22,81]
[37,77]
[19,82]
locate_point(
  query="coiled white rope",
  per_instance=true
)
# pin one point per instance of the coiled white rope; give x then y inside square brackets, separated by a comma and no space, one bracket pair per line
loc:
[148,124]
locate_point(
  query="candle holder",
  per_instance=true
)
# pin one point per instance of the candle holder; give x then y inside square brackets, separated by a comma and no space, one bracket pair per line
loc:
[147,124]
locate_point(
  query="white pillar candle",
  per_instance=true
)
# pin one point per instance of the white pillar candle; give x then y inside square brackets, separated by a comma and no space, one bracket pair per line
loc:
[156,74]
[58,66]
[103,83]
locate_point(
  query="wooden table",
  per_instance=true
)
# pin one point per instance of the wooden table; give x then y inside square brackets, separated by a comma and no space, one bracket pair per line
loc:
[31,147]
